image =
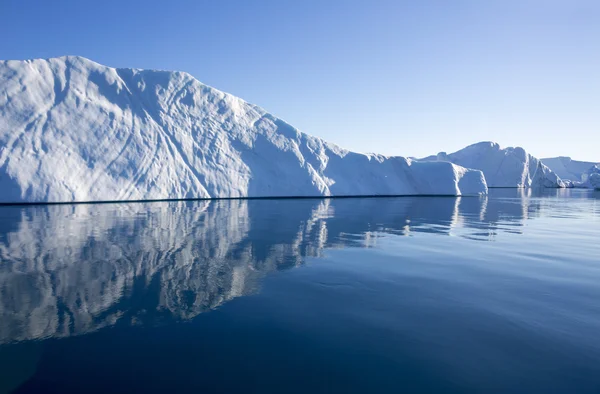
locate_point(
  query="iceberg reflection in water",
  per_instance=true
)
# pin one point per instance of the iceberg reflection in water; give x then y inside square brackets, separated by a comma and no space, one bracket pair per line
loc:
[488,294]
[73,269]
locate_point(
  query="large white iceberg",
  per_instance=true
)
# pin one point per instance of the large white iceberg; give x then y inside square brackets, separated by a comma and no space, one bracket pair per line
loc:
[567,168]
[74,130]
[509,167]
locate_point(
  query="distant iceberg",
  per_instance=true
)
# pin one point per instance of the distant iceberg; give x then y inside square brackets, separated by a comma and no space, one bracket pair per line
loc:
[73,130]
[591,178]
[509,167]
[567,168]
[594,181]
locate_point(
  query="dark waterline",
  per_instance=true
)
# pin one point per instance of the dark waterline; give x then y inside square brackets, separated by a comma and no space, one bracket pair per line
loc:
[200,199]
[413,294]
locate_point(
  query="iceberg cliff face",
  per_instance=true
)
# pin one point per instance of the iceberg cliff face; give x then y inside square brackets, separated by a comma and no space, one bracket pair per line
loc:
[567,168]
[591,178]
[74,130]
[509,167]
[594,181]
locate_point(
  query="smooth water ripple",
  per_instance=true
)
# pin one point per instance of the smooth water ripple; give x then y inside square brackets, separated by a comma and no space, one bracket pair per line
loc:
[379,295]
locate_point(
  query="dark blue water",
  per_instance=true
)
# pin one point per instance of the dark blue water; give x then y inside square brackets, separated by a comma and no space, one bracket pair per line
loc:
[381,295]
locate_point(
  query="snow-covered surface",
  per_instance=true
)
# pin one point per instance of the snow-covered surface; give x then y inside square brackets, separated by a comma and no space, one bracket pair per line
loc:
[509,167]
[567,168]
[74,130]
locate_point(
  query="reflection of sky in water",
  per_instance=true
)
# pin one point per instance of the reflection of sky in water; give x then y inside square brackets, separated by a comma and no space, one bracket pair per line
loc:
[73,269]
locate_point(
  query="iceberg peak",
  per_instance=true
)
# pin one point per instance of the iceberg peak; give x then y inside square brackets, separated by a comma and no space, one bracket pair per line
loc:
[502,167]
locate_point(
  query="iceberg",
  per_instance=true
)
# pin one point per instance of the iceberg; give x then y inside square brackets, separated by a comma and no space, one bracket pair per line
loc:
[509,167]
[72,130]
[567,168]
[591,178]
[594,181]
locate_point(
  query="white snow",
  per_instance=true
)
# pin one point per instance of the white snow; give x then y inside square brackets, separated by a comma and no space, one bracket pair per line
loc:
[74,130]
[509,167]
[567,168]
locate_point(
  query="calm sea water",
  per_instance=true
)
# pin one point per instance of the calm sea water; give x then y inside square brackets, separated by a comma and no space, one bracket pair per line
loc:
[380,295]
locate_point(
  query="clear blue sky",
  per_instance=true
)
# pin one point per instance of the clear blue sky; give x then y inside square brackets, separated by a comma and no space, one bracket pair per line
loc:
[396,77]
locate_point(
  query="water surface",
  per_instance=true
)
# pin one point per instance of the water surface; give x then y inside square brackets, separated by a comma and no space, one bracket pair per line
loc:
[375,295]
